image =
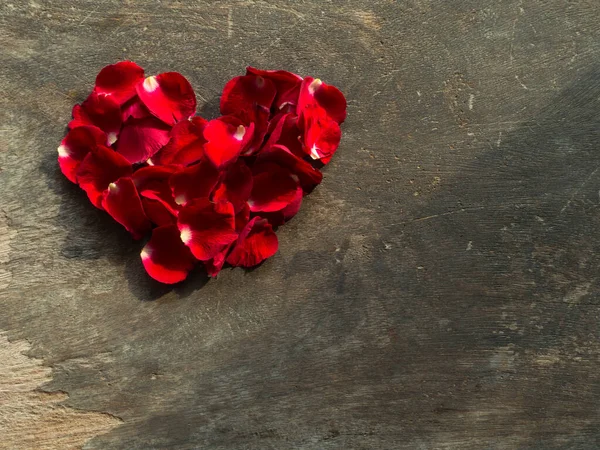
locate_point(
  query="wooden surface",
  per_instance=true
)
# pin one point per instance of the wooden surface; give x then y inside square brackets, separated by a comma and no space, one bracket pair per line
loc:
[439,290]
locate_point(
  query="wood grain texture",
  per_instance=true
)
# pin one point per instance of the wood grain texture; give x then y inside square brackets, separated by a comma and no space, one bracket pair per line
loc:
[439,290]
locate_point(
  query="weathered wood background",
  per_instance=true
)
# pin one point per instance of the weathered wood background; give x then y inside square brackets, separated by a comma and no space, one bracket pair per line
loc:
[439,290]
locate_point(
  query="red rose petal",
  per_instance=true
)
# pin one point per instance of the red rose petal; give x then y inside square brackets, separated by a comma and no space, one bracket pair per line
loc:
[284,131]
[165,257]
[316,93]
[140,139]
[236,186]
[119,80]
[152,182]
[256,243]
[157,212]
[169,96]
[244,93]
[101,111]
[186,144]
[286,83]
[259,119]
[278,218]
[134,108]
[242,218]
[122,202]
[273,188]
[193,182]
[308,176]
[226,138]
[75,146]
[206,227]
[213,266]
[99,168]
[322,135]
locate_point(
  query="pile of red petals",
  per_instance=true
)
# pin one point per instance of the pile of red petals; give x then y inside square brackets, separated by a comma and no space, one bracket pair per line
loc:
[204,190]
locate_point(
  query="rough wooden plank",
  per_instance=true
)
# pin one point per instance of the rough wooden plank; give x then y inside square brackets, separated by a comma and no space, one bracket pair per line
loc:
[439,290]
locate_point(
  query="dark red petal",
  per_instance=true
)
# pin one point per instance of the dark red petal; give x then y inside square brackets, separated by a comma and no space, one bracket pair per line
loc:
[165,257]
[75,146]
[206,227]
[256,243]
[284,131]
[122,202]
[169,96]
[213,266]
[140,139]
[193,182]
[157,212]
[308,176]
[286,83]
[278,218]
[101,111]
[316,93]
[259,119]
[226,138]
[186,144]
[236,186]
[242,218]
[119,80]
[274,188]
[134,108]
[322,135]
[152,182]
[244,93]
[99,168]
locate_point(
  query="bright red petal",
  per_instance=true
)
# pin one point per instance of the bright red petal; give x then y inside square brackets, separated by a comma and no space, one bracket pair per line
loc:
[186,144]
[213,266]
[226,138]
[140,139]
[193,182]
[134,108]
[165,257]
[75,146]
[308,176]
[122,202]
[98,169]
[286,83]
[206,227]
[119,80]
[244,93]
[169,96]
[278,218]
[256,243]
[274,188]
[157,212]
[322,135]
[284,131]
[152,182]
[236,186]
[101,111]
[316,93]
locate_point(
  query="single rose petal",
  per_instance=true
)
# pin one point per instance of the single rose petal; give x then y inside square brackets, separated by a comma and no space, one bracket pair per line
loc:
[134,108]
[99,168]
[259,119]
[244,93]
[308,176]
[75,146]
[314,92]
[152,182]
[322,135]
[122,202]
[242,218]
[157,212]
[226,138]
[283,130]
[278,218]
[193,182]
[165,257]
[214,265]
[274,188]
[256,243]
[236,186]
[186,144]
[101,111]
[140,139]
[169,96]
[206,227]
[286,83]
[119,80]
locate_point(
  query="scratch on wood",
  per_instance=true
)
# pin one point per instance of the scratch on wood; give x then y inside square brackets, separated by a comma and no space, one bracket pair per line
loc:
[589,177]
[230,23]
[31,418]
